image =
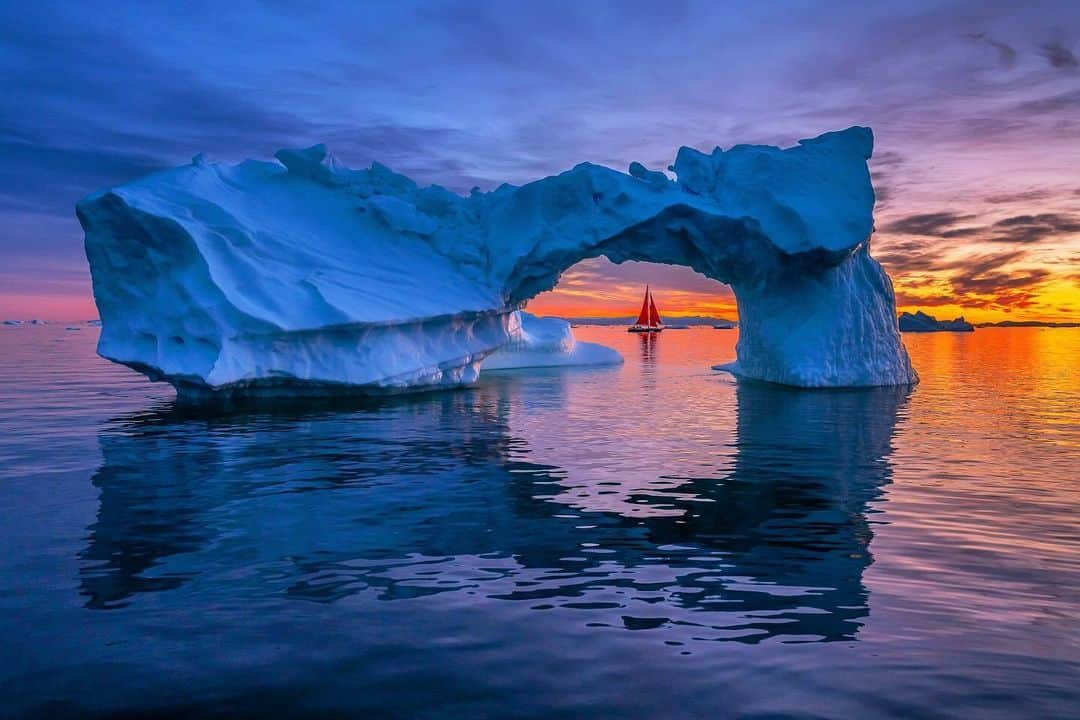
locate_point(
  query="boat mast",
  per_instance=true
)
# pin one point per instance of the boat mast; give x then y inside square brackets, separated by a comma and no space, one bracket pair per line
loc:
[643,316]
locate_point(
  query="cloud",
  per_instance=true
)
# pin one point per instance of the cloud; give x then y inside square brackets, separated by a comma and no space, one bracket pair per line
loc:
[909,257]
[978,265]
[48,179]
[1021,196]
[80,112]
[1016,229]
[484,93]
[886,159]
[1033,228]
[1001,290]
[883,191]
[1000,281]
[980,282]
[983,281]
[885,166]
[906,299]
[918,257]
[1006,52]
[935,224]
[86,108]
[1066,101]
[1059,56]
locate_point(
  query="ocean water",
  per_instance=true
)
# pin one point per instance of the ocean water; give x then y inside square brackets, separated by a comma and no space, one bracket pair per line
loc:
[650,541]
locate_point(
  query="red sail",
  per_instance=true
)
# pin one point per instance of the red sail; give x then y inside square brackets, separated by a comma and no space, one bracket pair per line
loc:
[643,316]
[654,317]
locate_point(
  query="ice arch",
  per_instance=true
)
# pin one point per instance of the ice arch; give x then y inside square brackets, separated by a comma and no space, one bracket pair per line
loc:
[305,276]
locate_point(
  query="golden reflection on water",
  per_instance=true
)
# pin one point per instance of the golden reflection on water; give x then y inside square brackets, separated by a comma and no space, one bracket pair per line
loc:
[984,459]
[997,386]
[984,496]
[984,400]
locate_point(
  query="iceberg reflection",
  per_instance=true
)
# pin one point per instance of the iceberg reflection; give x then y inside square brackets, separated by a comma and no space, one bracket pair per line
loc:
[467,494]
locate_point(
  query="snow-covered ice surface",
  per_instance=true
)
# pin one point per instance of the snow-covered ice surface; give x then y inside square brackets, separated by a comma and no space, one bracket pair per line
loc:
[546,342]
[305,277]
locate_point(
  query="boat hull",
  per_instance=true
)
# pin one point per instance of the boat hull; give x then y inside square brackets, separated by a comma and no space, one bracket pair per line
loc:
[643,329]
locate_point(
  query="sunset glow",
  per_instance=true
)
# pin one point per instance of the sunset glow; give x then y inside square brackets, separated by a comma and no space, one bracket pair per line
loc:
[599,288]
[974,111]
[323,394]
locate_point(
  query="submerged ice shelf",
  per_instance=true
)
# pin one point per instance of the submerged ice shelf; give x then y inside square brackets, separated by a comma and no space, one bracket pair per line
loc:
[302,276]
[546,342]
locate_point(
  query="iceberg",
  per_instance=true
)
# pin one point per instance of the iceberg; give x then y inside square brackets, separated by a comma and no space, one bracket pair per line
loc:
[922,322]
[302,276]
[546,342]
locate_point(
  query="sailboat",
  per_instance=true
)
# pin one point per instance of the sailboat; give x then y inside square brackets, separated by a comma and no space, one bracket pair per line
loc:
[648,320]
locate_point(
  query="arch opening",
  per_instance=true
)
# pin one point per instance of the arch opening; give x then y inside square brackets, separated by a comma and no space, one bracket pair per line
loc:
[823,317]
[597,289]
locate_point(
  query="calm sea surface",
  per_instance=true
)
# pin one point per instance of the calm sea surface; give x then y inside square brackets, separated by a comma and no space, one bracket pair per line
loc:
[650,541]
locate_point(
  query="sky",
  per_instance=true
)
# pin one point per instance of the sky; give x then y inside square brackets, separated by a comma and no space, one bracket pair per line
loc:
[975,108]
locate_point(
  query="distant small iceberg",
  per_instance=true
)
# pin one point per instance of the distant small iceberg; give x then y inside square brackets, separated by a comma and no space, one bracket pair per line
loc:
[921,322]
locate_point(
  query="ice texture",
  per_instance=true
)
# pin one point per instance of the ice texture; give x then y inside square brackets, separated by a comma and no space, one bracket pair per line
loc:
[302,276]
[546,342]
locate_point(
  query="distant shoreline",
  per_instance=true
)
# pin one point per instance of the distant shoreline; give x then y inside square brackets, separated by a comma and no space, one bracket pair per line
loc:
[691,320]
[705,320]
[628,320]
[1028,323]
